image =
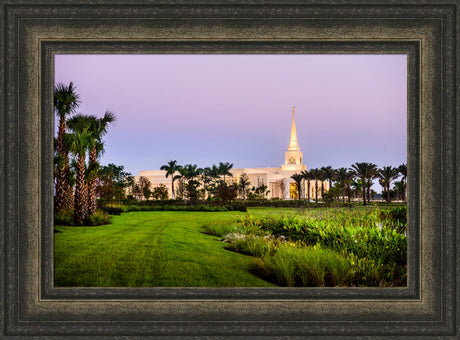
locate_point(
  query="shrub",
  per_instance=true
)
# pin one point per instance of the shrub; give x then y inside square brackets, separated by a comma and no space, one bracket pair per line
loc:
[99,218]
[113,210]
[64,218]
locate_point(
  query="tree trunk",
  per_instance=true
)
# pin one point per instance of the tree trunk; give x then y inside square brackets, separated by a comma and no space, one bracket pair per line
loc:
[91,194]
[308,184]
[172,187]
[80,191]
[388,192]
[63,190]
[364,190]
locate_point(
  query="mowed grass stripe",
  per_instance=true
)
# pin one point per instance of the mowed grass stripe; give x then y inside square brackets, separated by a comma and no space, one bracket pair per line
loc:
[150,249]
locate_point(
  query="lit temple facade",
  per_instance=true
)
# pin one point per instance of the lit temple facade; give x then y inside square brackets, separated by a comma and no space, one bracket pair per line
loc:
[278,180]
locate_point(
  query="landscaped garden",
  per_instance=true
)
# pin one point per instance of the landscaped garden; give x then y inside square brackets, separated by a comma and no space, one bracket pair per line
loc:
[359,246]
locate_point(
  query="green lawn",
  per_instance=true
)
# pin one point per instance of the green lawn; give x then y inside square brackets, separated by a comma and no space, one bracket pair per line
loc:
[152,249]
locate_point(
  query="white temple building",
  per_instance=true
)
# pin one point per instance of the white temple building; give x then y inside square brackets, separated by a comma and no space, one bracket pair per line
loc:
[277,179]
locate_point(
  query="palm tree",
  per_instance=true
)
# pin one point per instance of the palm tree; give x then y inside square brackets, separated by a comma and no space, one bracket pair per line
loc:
[307,176]
[400,188]
[189,172]
[343,176]
[66,102]
[403,171]
[224,169]
[79,140]
[315,175]
[298,181]
[388,174]
[98,128]
[371,175]
[328,174]
[364,171]
[171,168]
[243,184]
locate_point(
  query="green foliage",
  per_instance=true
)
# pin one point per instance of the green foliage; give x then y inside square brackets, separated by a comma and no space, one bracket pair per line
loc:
[220,228]
[160,192]
[99,218]
[65,217]
[395,218]
[294,265]
[375,253]
[113,210]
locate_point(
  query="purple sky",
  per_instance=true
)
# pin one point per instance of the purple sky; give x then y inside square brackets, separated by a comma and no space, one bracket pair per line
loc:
[206,109]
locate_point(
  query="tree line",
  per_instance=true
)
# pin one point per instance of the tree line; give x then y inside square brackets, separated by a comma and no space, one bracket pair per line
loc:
[358,178]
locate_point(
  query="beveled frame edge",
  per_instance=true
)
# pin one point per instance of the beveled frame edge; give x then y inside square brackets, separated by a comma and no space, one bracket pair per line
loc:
[449,238]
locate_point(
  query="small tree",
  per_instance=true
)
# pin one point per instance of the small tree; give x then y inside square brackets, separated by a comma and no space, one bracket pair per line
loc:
[160,192]
[227,192]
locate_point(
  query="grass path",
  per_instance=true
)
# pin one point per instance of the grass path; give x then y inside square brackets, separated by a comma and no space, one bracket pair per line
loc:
[150,249]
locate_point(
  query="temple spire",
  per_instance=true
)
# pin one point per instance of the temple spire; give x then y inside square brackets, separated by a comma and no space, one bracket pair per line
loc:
[293,144]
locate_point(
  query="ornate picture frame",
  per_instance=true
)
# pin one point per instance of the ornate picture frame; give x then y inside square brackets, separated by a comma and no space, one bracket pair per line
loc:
[33,31]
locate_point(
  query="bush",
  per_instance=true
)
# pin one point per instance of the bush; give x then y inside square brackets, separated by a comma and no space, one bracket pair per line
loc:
[99,218]
[113,210]
[64,218]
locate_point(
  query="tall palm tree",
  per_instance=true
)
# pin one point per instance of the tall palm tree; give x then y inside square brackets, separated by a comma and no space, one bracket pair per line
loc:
[298,182]
[329,173]
[363,171]
[307,177]
[79,140]
[403,171]
[343,176]
[98,128]
[224,169]
[171,168]
[388,174]
[66,101]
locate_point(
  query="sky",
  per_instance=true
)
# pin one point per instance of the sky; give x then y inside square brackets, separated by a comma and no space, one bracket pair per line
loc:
[206,109]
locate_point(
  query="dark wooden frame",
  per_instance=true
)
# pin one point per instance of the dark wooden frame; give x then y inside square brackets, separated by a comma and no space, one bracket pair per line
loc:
[33,31]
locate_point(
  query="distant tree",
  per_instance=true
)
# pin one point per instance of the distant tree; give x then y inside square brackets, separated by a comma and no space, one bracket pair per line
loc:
[112,182]
[298,182]
[144,185]
[403,171]
[316,175]
[328,173]
[307,177]
[400,188]
[388,174]
[224,169]
[243,185]
[363,171]
[343,177]
[171,169]
[226,192]
[160,192]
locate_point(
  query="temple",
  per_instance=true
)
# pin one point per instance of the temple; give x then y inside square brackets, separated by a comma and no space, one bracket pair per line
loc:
[277,179]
